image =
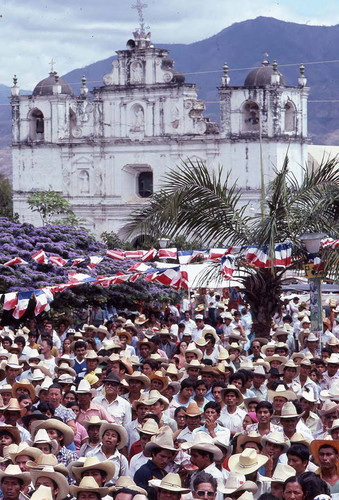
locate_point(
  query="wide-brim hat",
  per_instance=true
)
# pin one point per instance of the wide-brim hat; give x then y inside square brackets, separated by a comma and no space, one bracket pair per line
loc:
[276,438]
[119,429]
[25,449]
[13,431]
[153,397]
[24,384]
[121,332]
[234,345]
[66,368]
[328,407]
[280,391]
[36,415]
[171,482]
[12,362]
[260,370]
[237,482]
[199,308]
[88,484]
[147,342]
[94,420]
[65,358]
[251,437]
[204,442]
[129,324]
[41,437]
[195,363]
[140,320]
[289,411]
[298,438]
[192,348]
[281,473]
[47,460]
[14,471]
[269,345]
[233,388]
[193,410]
[149,427]
[53,423]
[163,440]
[159,376]
[93,463]
[331,393]
[246,462]
[276,357]
[57,477]
[127,482]
[318,443]
[171,370]
[209,330]
[247,401]
[89,327]
[139,376]
[141,401]
[84,387]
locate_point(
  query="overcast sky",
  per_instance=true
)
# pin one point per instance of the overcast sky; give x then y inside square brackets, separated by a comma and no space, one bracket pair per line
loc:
[78,32]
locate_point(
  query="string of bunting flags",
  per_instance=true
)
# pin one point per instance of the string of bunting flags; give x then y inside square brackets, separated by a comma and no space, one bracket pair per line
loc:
[174,277]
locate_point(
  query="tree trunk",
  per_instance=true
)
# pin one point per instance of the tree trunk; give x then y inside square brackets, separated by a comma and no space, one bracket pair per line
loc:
[262,292]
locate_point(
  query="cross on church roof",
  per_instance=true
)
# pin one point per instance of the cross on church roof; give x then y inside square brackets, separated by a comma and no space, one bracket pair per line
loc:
[139,6]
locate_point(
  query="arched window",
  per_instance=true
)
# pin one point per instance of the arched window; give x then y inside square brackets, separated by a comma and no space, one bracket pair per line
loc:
[290,121]
[37,125]
[145,184]
[250,117]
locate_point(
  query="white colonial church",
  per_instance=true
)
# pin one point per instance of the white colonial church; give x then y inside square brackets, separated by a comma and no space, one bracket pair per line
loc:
[107,152]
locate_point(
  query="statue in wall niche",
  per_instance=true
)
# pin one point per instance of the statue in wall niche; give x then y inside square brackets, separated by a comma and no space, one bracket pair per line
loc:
[137,72]
[137,118]
[83,179]
[175,117]
[98,181]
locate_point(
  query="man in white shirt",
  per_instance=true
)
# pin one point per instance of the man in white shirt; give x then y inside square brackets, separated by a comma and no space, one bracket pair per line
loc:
[115,405]
[190,325]
[231,415]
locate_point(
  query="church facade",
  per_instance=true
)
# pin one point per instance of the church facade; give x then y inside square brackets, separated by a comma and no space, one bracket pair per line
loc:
[108,152]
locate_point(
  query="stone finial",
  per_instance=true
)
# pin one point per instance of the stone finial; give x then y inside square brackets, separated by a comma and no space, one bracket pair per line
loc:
[265,61]
[302,80]
[84,89]
[275,77]
[15,90]
[57,86]
[225,79]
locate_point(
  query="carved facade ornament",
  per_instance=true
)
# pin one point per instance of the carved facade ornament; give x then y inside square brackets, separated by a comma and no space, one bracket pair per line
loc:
[137,118]
[137,72]
[167,77]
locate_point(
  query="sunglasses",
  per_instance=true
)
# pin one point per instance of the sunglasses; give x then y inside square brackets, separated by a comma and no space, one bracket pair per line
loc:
[202,494]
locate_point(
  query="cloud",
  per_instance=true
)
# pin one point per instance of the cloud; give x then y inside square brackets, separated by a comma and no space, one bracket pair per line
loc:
[78,32]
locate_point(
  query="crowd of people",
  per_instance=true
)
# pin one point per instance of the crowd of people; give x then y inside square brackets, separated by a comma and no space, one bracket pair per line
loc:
[188,402]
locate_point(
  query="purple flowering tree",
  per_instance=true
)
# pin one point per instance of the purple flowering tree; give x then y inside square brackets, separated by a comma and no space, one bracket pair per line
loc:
[23,240]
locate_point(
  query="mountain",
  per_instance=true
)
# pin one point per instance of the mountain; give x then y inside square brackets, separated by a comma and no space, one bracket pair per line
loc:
[242,45]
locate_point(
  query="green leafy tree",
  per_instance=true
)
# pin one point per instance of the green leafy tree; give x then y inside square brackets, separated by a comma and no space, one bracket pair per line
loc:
[6,199]
[50,204]
[196,204]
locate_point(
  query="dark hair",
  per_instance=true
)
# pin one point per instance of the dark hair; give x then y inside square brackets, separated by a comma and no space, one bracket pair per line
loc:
[48,340]
[55,386]
[73,403]
[70,392]
[218,384]
[156,339]
[313,485]
[292,479]
[79,344]
[8,339]
[215,406]
[287,317]
[300,451]
[155,451]
[122,490]
[20,339]
[200,382]
[247,374]
[326,349]
[210,337]
[24,396]
[178,410]
[186,383]
[237,376]
[204,453]
[153,364]
[46,406]
[268,496]
[204,477]
[264,404]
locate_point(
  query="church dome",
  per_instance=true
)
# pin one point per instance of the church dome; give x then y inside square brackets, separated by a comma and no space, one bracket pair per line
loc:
[260,77]
[45,87]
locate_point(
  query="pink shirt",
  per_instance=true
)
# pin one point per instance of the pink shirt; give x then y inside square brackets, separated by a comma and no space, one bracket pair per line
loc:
[80,435]
[95,410]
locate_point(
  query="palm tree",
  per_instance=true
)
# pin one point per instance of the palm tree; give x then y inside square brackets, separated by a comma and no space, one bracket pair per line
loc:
[201,205]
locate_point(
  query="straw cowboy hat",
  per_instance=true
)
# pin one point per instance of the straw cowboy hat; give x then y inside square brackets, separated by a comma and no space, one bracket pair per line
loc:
[89,327]
[201,342]
[246,364]
[13,362]
[233,388]
[299,439]
[150,427]
[332,393]
[93,463]
[308,394]
[53,423]
[41,493]
[42,437]
[223,355]
[121,332]
[147,342]
[204,442]
[65,358]
[246,462]
[171,482]
[297,355]
[281,392]
[276,438]
[163,440]
[199,308]
[141,401]
[94,420]
[159,376]
[235,346]
[269,345]
[90,485]
[276,357]
[290,411]
[263,363]
[251,437]
[140,320]
[171,371]
[127,482]
[318,443]
[209,330]
[13,431]
[66,368]
[192,348]
[47,460]
[153,397]
[138,376]
[119,429]
[11,448]
[260,370]
[14,471]
[44,386]
[333,359]
[193,410]
[13,405]
[84,387]
[25,449]
[281,473]
[24,384]
[237,482]
[129,324]
[58,478]
[195,363]
[335,425]
[37,376]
